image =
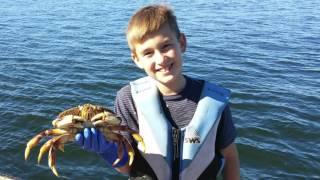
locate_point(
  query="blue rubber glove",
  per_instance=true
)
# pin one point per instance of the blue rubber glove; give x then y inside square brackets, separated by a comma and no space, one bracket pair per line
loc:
[93,140]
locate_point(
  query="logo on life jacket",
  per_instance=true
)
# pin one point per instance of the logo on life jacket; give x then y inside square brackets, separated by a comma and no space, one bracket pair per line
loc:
[191,136]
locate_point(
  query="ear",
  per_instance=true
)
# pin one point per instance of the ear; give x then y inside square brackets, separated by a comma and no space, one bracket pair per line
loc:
[136,60]
[182,42]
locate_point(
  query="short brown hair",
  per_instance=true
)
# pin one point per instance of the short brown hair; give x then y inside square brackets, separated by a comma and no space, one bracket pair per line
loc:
[147,20]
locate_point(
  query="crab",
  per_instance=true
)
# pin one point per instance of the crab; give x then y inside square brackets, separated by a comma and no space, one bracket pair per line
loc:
[72,121]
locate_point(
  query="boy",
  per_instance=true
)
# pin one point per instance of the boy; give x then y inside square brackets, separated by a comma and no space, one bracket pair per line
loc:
[186,123]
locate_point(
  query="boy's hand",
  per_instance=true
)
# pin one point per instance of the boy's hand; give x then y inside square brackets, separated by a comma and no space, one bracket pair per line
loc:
[91,139]
[231,169]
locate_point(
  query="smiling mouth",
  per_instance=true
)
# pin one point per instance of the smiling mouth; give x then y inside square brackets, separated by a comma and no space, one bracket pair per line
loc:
[165,69]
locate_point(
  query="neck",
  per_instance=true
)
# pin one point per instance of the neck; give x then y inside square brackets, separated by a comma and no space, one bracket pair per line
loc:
[172,88]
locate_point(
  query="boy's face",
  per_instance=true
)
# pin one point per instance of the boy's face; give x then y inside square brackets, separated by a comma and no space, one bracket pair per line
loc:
[160,55]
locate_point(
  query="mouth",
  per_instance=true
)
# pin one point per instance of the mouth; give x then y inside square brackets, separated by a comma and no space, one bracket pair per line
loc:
[165,69]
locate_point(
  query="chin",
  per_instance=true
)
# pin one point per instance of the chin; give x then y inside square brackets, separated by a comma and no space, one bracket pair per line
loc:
[167,79]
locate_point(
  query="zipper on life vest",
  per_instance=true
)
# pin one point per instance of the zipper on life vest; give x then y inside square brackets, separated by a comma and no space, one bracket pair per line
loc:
[176,153]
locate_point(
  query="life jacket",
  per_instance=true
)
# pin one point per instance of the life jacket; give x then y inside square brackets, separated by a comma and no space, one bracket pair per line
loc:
[196,141]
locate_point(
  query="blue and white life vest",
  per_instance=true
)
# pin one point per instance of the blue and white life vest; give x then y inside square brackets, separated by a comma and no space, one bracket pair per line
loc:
[197,139]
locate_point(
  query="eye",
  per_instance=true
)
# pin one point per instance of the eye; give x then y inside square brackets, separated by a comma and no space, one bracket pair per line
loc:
[166,47]
[147,54]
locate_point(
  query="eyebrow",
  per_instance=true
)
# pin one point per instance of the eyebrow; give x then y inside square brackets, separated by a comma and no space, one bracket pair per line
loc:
[165,40]
[146,50]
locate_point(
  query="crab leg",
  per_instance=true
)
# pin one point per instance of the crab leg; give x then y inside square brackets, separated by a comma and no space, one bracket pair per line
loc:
[125,142]
[36,139]
[120,153]
[31,144]
[52,160]
[139,139]
[44,148]
[128,147]
[117,138]
[134,133]
[56,142]
[130,151]
[105,117]
[67,121]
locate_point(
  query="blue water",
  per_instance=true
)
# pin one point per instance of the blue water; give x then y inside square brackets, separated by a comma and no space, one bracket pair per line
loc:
[59,54]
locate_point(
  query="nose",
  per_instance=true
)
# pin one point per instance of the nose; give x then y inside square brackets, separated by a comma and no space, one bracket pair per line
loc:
[160,58]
